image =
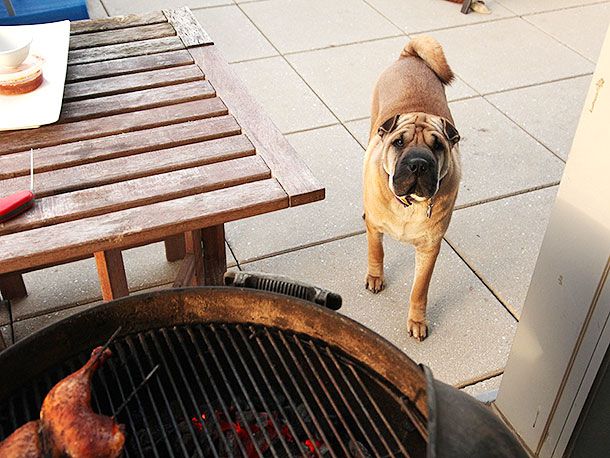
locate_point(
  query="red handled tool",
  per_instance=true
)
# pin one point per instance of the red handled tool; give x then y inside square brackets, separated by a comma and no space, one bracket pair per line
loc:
[20,201]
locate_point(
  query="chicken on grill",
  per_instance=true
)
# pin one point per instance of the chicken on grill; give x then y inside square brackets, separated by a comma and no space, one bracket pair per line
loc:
[23,443]
[69,425]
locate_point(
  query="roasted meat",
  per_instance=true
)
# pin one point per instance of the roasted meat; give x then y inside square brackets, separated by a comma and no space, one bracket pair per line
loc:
[69,425]
[23,443]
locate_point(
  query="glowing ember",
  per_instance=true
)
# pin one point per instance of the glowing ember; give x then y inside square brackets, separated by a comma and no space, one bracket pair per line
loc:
[247,429]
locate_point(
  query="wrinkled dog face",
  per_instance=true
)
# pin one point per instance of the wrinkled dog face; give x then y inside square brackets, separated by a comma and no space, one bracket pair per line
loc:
[416,153]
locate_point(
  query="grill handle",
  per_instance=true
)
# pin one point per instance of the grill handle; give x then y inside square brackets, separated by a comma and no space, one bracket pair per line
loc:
[284,285]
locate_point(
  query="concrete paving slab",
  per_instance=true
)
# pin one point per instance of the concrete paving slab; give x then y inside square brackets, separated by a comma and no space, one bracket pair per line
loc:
[488,59]
[425,15]
[5,334]
[299,25]
[498,157]
[58,287]
[458,90]
[96,9]
[582,29]
[68,285]
[483,387]
[550,112]
[28,326]
[501,240]
[536,6]
[116,7]
[344,76]
[234,34]
[283,94]
[336,160]
[470,334]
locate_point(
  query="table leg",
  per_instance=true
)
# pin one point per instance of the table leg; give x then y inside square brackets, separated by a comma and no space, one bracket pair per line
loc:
[12,286]
[194,249]
[175,248]
[111,272]
[214,255]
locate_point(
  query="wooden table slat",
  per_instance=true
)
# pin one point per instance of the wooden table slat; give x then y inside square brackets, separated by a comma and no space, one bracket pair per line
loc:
[140,191]
[188,29]
[134,101]
[129,83]
[136,166]
[296,178]
[113,37]
[128,65]
[74,239]
[138,48]
[99,149]
[116,22]
[58,134]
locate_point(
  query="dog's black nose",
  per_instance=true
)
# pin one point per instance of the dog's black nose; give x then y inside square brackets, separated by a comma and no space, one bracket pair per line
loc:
[417,165]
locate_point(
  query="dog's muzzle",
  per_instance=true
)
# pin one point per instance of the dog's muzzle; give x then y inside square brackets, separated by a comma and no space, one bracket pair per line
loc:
[415,175]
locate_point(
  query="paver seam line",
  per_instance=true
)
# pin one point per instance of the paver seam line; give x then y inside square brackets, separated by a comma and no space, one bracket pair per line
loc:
[552,10]
[299,75]
[513,313]
[525,131]
[567,46]
[527,86]
[301,247]
[363,231]
[506,196]
[309,129]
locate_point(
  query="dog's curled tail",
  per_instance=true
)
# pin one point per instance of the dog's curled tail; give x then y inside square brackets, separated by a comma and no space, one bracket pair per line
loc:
[430,51]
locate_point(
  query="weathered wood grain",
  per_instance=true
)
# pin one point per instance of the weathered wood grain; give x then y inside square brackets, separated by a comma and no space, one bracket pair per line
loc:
[194,247]
[74,239]
[111,274]
[186,26]
[186,272]
[214,255]
[58,134]
[12,286]
[113,37]
[138,48]
[135,82]
[182,149]
[137,192]
[116,22]
[292,173]
[134,101]
[175,248]
[128,65]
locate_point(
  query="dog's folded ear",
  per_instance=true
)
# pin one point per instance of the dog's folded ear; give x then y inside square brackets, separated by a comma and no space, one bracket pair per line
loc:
[450,132]
[388,126]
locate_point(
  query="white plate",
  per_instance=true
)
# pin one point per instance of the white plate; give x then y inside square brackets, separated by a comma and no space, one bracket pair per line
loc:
[43,105]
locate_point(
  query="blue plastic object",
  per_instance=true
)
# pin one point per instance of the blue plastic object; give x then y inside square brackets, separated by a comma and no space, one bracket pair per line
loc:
[41,11]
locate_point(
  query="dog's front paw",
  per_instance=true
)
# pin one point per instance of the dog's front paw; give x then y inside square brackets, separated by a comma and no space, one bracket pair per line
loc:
[417,329]
[374,284]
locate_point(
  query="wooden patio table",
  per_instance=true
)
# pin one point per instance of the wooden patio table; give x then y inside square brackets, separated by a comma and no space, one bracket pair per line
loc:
[157,140]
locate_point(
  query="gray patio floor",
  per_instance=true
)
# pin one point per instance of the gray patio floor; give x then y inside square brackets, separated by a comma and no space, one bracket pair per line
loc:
[523,73]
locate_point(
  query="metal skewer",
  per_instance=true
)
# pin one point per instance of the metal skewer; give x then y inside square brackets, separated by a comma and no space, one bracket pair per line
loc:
[32,170]
[107,344]
[135,390]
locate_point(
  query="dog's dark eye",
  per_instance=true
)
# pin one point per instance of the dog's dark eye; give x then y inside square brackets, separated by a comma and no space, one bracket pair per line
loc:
[437,145]
[398,143]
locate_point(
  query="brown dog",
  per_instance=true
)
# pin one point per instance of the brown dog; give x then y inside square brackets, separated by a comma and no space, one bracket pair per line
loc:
[411,167]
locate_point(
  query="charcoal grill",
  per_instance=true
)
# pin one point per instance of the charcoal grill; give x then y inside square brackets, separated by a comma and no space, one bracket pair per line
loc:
[245,373]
